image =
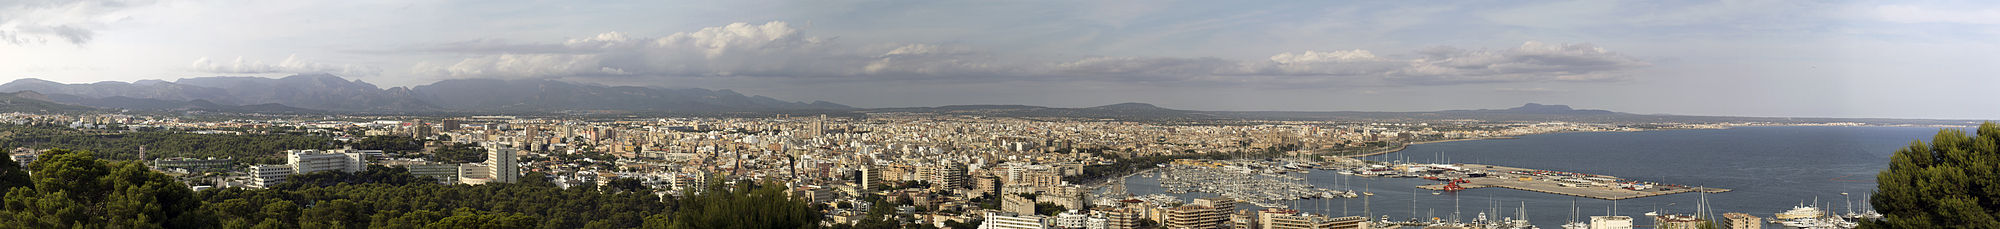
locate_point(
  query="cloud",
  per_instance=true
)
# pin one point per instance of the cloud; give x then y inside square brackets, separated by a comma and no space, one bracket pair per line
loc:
[524,66]
[292,64]
[778,50]
[773,49]
[1528,90]
[930,59]
[41,21]
[1334,63]
[735,49]
[1532,61]
[1917,14]
[1155,67]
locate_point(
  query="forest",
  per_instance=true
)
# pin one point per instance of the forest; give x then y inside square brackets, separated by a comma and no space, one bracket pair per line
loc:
[124,145]
[75,189]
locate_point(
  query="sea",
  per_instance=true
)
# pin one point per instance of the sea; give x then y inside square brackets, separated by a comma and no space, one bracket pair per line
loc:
[1768,169]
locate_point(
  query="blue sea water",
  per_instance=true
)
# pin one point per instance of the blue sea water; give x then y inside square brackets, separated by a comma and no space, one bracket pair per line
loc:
[1770,169]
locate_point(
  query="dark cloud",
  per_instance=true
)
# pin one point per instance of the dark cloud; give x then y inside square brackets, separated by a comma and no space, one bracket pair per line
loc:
[41,21]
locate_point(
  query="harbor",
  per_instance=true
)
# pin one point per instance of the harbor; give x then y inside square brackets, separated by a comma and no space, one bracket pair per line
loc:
[1575,177]
[1264,186]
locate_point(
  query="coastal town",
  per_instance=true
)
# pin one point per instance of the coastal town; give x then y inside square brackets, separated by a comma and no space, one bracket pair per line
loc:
[939,170]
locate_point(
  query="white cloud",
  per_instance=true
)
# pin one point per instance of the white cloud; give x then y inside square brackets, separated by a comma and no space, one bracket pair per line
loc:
[1527,90]
[1530,62]
[524,66]
[1917,14]
[75,22]
[773,49]
[929,59]
[1149,66]
[776,49]
[292,64]
[1334,63]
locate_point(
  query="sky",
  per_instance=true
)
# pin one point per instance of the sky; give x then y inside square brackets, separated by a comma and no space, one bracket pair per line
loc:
[1894,59]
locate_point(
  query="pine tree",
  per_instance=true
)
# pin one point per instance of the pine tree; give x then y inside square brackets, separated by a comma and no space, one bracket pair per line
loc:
[11,174]
[1952,182]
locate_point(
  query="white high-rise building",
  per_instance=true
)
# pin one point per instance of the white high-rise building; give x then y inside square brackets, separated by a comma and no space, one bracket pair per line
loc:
[264,176]
[1070,219]
[1611,222]
[1009,220]
[309,161]
[502,165]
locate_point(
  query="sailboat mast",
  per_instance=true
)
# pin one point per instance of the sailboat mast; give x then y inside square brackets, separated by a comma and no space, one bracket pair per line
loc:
[1523,212]
[1572,210]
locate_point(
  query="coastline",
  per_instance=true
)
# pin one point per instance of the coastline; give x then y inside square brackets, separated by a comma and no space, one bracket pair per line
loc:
[1407,146]
[1100,184]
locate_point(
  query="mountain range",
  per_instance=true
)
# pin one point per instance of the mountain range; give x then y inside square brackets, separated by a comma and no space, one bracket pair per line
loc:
[1531,112]
[331,94]
[31,102]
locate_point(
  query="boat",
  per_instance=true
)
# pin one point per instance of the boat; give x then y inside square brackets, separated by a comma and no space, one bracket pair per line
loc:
[1800,212]
[1573,223]
[1452,186]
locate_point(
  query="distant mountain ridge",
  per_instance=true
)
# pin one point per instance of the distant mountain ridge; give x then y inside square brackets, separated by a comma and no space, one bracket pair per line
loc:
[322,92]
[1531,112]
[138,104]
[30,101]
[1130,111]
[328,94]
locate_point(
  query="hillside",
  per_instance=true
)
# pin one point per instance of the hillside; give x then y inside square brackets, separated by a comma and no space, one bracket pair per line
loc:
[33,102]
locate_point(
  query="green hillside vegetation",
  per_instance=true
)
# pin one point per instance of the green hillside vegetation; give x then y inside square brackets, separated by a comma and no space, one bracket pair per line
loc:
[74,189]
[247,148]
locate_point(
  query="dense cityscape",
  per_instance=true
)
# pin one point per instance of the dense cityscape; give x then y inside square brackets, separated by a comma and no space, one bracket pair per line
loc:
[925,170]
[1016,114]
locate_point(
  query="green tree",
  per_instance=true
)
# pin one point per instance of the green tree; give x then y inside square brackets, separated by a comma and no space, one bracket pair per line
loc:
[627,184]
[744,205]
[11,174]
[394,143]
[74,189]
[1049,209]
[459,153]
[1952,182]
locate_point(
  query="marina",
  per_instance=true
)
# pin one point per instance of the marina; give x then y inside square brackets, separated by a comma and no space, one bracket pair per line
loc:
[1257,185]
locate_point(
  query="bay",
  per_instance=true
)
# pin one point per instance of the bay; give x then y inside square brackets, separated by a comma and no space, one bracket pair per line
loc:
[1770,169]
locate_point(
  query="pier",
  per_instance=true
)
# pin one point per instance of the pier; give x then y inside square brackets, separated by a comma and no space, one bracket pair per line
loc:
[1505,178]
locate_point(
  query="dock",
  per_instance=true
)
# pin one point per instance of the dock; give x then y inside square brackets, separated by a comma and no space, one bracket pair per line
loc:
[1541,184]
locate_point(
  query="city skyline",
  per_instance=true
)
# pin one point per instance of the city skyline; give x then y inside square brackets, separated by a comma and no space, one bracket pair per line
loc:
[1739,58]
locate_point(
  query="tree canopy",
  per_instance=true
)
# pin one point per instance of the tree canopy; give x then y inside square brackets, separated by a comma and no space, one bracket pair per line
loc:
[459,153]
[247,148]
[391,143]
[1952,182]
[74,189]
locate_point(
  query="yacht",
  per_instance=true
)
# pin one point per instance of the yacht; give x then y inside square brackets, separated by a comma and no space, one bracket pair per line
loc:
[1573,224]
[1800,212]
